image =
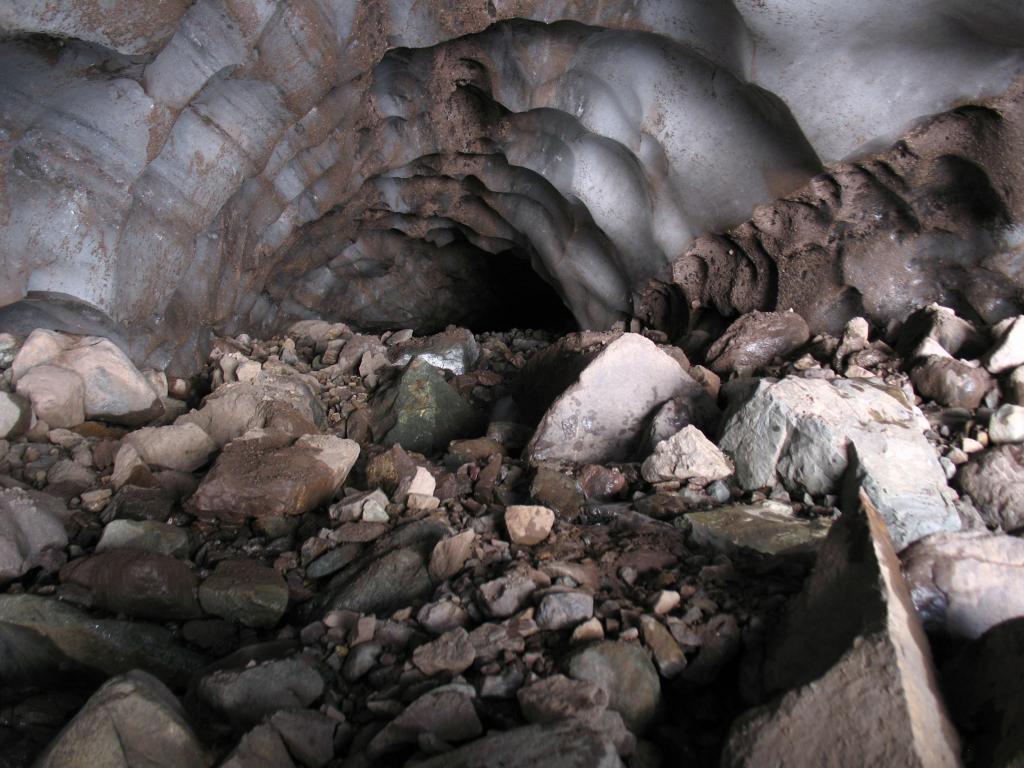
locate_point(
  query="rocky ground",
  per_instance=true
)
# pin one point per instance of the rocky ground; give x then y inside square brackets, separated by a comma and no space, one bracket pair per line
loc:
[514,549]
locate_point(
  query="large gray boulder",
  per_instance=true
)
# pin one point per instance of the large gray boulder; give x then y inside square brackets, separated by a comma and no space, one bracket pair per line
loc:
[602,415]
[133,721]
[853,653]
[806,431]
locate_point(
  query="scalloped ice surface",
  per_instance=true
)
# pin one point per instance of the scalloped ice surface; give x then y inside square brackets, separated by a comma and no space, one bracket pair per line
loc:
[234,165]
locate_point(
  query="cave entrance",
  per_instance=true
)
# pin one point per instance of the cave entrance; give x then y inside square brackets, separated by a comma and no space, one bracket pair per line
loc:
[522,299]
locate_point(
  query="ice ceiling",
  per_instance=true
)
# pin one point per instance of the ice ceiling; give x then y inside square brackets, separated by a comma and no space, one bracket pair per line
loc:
[232,165]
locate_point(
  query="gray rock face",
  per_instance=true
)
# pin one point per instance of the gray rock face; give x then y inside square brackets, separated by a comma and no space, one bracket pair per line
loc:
[804,430]
[995,482]
[133,720]
[965,583]
[246,696]
[601,417]
[755,339]
[29,524]
[626,674]
[853,652]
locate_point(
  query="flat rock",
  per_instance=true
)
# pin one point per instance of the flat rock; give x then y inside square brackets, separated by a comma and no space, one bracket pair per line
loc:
[132,720]
[246,696]
[57,395]
[15,415]
[965,583]
[528,524]
[601,416]
[185,447]
[802,430]
[951,382]
[30,523]
[855,656]
[994,480]
[246,592]
[755,339]
[626,674]
[109,645]
[769,527]
[687,455]
[250,480]
[566,744]
[137,583]
[147,535]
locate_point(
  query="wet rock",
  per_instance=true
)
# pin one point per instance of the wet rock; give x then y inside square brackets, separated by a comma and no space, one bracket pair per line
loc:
[755,339]
[132,720]
[423,413]
[185,447]
[528,524]
[114,388]
[668,656]
[15,415]
[566,744]
[561,610]
[852,649]
[446,713]
[687,455]
[769,527]
[57,395]
[249,480]
[246,592]
[287,404]
[452,652]
[456,351]
[965,583]
[602,415]
[950,382]
[146,535]
[245,696]
[137,583]
[803,431]
[30,524]
[994,480]
[450,555]
[626,674]
[1007,425]
[558,697]
[1008,351]
[111,646]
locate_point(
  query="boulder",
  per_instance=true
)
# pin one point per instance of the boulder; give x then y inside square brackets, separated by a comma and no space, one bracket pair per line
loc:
[246,592]
[57,395]
[755,339]
[768,527]
[132,720]
[994,480]
[137,583]
[15,415]
[30,523]
[601,416]
[251,479]
[185,447]
[807,431]
[853,653]
[687,456]
[456,351]
[965,583]
[626,674]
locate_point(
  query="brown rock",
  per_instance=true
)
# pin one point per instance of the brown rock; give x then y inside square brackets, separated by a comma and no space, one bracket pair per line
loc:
[951,382]
[995,482]
[755,339]
[452,652]
[449,555]
[559,698]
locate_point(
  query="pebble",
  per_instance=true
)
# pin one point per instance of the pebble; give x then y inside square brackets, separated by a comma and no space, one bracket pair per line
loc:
[528,524]
[560,610]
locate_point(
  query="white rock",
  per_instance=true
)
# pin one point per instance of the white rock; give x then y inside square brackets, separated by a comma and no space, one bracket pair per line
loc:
[1006,425]
[15,415]
[41,347]
[686,455]
[338,454]
[185,447]
[528,524]
[1008,351]
[125,462]
[1015,385]
[422,483]
[57,395]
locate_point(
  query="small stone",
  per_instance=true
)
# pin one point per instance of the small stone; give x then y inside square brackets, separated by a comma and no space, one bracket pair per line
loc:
[1007,425]
[950,382]
[246,592]
[528,524]
[420,502]
[560,610]
[588,631]
[452,652]
[360,660]
[665,601]
[687,455]
[354,507]
[446,714]
[666,651]
[504,596]
[450,555]
[421,483]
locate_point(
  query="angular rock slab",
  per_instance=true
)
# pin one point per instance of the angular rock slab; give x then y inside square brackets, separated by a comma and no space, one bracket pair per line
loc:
[133,720]
[855,654]
[803,430]
[966,583]
[602,415]
[769,527]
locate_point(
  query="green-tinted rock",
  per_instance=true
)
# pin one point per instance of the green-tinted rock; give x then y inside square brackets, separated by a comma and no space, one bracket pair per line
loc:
[427,411]
[246,592]
[769,527]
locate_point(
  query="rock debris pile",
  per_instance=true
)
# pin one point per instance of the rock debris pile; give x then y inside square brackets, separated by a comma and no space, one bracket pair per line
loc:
[334,548]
